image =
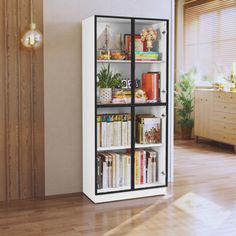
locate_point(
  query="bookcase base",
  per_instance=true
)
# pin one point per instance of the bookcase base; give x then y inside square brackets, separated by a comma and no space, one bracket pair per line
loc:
[127,195]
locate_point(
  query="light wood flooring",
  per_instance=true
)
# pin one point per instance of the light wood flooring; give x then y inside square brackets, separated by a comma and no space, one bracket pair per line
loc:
[209,171]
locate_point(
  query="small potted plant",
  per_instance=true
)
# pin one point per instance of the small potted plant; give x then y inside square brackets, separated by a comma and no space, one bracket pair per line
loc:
[184,102]
[107,80]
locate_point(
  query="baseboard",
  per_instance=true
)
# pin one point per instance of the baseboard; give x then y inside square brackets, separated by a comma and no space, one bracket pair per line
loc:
[65,195]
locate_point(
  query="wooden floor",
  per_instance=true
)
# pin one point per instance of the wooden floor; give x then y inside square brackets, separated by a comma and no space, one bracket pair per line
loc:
[209,171]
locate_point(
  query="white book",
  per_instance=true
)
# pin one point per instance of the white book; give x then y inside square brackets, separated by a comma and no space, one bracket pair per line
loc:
[103,133]
[98,134]
[127,180]
[149,174]
[105,174]
[117,170]
[124,169]
[129,170]
[121,171]
[113,170]
[124,126]
[108,134]
[117,133]
[129,133]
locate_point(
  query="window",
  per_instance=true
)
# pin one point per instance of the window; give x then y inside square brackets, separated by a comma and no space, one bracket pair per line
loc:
[210,38]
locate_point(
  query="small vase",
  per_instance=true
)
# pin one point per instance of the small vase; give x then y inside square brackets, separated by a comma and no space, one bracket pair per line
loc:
[105,95]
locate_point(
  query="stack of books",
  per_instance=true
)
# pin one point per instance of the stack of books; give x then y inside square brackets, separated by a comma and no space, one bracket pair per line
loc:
[113,130]
[146,56]
[151,86]
[113,170]
[146,167]
[148,129]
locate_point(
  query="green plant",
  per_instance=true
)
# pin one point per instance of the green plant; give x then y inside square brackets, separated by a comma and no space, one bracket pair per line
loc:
[183,97]
[107,79]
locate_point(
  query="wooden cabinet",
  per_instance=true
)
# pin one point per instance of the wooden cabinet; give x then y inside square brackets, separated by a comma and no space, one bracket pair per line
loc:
[215,115]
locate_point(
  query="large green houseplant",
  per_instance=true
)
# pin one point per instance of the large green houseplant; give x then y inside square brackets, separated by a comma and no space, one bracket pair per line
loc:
[184,102]
[107,80]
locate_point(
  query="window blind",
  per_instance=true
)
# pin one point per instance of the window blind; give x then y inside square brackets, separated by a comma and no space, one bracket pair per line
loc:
[210,37]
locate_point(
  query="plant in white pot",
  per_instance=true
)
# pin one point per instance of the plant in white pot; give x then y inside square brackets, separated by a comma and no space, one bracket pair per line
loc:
[184,102]
[107,80]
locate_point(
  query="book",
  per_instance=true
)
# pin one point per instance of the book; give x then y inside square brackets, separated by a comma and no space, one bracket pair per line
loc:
[150,84]
[103,131]
[98,131]
[152,56]
[124,127]
[99,173]
[109,131]
[152,130]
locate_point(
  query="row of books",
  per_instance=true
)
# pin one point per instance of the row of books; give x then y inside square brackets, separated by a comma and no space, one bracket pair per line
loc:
[148,129]
[146,167]
[113,170]
[113,130]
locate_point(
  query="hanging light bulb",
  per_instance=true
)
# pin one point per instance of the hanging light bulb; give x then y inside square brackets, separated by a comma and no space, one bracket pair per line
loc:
[32,38]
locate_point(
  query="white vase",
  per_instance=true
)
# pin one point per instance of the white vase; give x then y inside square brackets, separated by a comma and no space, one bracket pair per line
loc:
[105,95]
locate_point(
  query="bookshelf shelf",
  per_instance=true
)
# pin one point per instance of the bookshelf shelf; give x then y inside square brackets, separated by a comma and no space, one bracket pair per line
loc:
[138,145]
[129,61]
[123,188]
[122,126]
[141,186]
[100,149]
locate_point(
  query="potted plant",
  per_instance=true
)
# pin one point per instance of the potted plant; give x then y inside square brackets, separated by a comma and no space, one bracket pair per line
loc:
[184,102]
[107,80]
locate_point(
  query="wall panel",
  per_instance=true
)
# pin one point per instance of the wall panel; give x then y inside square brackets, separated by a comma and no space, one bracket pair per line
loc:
[21,105]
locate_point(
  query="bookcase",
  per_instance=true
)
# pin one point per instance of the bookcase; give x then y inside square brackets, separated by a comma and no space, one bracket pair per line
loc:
[125,126]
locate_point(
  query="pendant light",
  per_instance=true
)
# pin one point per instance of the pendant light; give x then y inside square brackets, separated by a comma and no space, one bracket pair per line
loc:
[32,38]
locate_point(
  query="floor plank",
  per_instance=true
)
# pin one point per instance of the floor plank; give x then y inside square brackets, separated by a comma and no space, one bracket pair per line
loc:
[206,169]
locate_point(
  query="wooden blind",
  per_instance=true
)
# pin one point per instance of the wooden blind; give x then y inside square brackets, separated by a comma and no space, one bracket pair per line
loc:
[210,37]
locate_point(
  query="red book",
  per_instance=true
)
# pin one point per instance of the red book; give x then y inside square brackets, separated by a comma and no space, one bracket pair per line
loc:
[141,167]
[150,85]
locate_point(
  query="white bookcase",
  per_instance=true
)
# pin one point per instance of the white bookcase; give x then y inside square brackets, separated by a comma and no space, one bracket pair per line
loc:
[117,30]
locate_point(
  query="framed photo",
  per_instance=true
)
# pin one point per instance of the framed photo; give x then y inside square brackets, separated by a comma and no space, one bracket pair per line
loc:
[139,45]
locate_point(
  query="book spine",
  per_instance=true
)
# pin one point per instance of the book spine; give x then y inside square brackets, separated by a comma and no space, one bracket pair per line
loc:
[105,174]
[136,167]
[121,171]
[124,170]
[129,132]
[113,170]
[149,170]
[117,170]
[153,169]
[99,171]
[128,170]
[144,168]
[141,167]
[108,132]
[109,172]
[103,132]
[98,132]
[157,166]
[124,131]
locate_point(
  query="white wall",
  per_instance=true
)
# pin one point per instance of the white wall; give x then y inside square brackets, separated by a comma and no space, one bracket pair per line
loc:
[62,65]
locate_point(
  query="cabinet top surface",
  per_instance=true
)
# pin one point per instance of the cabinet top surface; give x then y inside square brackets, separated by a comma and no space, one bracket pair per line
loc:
[213,90]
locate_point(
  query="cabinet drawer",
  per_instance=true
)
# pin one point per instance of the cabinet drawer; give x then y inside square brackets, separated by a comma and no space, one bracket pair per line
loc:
[224,127]
[224,137]
[224,97]
[224,117]
[225,107]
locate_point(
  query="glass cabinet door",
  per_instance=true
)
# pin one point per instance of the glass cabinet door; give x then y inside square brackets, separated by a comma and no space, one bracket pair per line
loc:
[150,61]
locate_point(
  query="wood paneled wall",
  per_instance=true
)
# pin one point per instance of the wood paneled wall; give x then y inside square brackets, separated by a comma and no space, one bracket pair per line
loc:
[21,105]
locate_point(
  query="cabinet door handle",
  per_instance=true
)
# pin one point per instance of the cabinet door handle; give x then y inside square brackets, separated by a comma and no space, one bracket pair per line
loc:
[163,173]
[163,91]
[163,115]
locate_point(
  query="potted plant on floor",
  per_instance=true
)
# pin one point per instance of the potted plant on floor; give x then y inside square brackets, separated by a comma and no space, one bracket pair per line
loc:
[107,80]
[184,102]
